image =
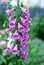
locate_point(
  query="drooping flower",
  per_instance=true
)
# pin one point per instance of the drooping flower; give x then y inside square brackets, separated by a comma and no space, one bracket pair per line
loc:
[23,51]
[25,34]
[6,51]
[24,22]
[24,45]
[9,11]
[24,9]
[8,30]
[23,54]
[20,28]
[15,35]
[24,57]
[9,49]
[25,13]
[11,18]
[12,24]
[22,39]
[15,50]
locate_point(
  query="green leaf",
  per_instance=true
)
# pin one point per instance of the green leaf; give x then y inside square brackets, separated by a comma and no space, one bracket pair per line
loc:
[2,60]
[10,63]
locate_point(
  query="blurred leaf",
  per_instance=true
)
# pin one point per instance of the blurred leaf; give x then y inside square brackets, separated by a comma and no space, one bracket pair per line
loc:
[2,60]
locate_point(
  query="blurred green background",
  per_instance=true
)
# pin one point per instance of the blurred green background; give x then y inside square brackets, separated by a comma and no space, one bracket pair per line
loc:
[36,34]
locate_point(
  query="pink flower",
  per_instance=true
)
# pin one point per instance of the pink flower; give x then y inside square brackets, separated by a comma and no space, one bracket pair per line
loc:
[6,51]
[24,57]
[11,18]
[9,11]
[12,24]
[15,50]
[20,28]
[24,45]
[25,34]
[22,39]
[24,10]
[24,51]
[24,22]
[9,49]
[15,35]
[8,30]
[24,54]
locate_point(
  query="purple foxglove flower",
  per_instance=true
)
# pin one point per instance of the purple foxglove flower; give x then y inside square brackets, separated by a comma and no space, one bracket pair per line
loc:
[9,11]
[6,51]
[15,35]
[22,40]
[8,30]
[24,45]
[11,18]
[25,34]
[23,54]
[24,22]
[23,51]
[15,50]
[24,57]
[20,28]
[9,49]
[26,14]
[12,24]
[25,10]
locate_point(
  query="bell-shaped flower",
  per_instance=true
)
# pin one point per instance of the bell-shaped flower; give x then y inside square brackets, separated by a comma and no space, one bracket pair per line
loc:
[12,24]
[9,11]
[20,28]
[24,57]
[23,54]
[24,10]
[22,40]
[11,18]
[24,22]
[24,51]
[25,34]
[15,35]
[15,50]
[8,30]
[6,51]
[24,45]
[9,49]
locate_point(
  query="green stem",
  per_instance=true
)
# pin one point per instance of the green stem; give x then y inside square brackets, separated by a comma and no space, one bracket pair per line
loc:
[18,19]
[18,3]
